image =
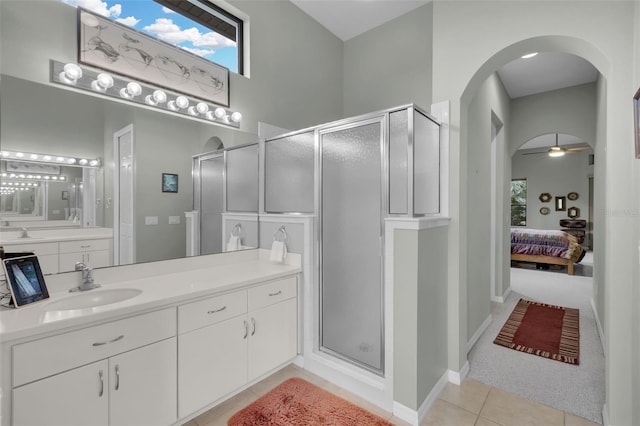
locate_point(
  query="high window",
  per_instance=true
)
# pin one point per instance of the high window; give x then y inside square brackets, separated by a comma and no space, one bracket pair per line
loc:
[197,26]
[519,202]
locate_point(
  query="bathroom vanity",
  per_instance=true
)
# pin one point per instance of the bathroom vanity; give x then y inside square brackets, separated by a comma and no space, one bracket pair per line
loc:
[154,350]
[58,250]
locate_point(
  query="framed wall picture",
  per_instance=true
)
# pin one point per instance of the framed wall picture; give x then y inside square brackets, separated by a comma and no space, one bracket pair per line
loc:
[65,195]
[169,182]
[636,122]
[111,46]
[561,204]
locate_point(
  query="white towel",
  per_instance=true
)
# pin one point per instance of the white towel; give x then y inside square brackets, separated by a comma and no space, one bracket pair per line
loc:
[278,251]
[234,243]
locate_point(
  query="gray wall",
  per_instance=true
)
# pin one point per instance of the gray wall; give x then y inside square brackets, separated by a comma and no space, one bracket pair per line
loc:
[471,41]
[419,332]
[491,100]
[556,176]
[571,111]
[390,65]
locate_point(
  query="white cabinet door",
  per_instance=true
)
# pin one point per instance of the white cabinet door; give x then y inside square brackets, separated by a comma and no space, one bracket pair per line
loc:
[76,397]
[143,385]
[212,362]
[272,337]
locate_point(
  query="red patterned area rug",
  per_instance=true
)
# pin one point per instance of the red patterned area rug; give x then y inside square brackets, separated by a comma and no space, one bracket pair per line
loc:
[298,402]
[545,330]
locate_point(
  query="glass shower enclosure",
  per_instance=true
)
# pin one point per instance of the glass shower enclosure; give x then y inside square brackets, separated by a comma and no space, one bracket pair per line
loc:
[366,169]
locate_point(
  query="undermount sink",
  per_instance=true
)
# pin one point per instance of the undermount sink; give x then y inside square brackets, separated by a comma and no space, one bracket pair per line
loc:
[93,298]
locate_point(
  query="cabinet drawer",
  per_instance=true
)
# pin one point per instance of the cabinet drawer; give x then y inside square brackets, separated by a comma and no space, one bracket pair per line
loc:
[212,310]
[84,245]
[35,247]
[44,357]
[273,292]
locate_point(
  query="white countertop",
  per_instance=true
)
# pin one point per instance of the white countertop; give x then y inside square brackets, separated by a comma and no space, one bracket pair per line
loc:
[53,235]
[157,292]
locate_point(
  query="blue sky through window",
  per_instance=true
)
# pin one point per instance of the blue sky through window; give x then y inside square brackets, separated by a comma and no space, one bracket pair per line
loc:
[160,22]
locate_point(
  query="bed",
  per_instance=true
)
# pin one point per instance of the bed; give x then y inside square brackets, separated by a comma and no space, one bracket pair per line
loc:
[546,247]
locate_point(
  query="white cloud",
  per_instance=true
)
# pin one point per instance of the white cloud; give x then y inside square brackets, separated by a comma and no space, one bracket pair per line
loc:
[129,21]
[97,6]
[166,30]
[165,9]
[199,52]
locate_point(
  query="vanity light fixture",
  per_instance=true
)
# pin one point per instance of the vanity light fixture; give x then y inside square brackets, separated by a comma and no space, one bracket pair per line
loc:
[30,157]
[124,89]
[132,90]
[102,82]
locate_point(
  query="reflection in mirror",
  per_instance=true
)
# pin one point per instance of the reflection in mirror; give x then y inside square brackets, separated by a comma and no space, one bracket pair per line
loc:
[70,123]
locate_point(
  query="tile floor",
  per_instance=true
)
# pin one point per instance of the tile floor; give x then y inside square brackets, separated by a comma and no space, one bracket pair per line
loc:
[472,404]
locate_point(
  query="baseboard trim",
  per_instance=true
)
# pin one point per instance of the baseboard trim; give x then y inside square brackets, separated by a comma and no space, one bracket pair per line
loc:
[603,341]
[456,377]
[501,299]
[414,417]
[483,327]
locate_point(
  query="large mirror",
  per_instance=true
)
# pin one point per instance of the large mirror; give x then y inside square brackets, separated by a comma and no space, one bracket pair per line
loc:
[39,117]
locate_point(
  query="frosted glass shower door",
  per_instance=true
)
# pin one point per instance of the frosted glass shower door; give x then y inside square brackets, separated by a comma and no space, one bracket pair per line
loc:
[211,204]
[351,264]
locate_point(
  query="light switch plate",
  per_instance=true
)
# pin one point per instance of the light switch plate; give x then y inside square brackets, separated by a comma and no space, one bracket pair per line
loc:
[174,220]
[151,220]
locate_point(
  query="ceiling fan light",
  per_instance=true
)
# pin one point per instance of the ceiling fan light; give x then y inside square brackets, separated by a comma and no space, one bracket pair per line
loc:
[556,151]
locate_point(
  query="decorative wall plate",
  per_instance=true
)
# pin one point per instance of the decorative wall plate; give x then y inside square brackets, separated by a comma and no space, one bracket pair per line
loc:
[573,212]
[544,210]
[572,196]
[545,197]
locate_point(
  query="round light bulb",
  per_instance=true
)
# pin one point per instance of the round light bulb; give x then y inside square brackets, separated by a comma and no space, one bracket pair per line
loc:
[202,108]
[210,115]
[70,74]
[19,154]
[236,117]
[71,161]
[47,158]
[192,111]
[60,159]
[220,112]
[94,163]
[83,162]
[182,102]
[102,82]
[34,156]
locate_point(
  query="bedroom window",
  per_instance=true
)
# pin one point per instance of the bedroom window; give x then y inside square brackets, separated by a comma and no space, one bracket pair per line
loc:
[519,202]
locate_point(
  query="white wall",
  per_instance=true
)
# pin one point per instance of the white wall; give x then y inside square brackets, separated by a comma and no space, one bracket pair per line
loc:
[490,101]
[390,65]
[571,111]
[472,40]
[636,271]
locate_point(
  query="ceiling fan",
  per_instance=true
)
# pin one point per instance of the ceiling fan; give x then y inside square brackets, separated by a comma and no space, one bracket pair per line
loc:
[559,151]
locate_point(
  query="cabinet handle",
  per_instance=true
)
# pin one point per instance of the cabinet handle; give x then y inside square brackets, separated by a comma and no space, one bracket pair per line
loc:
[253,322]
[246,330]
[275,294]
[120,337]
[88,258]
[101,376]
[117,377]
[215,311]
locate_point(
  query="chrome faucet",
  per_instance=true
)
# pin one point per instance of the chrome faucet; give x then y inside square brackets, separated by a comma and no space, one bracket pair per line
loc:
[24,233]
[87,278]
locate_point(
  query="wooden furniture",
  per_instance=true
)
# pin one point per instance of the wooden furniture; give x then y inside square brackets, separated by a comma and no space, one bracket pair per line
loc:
[549,260]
